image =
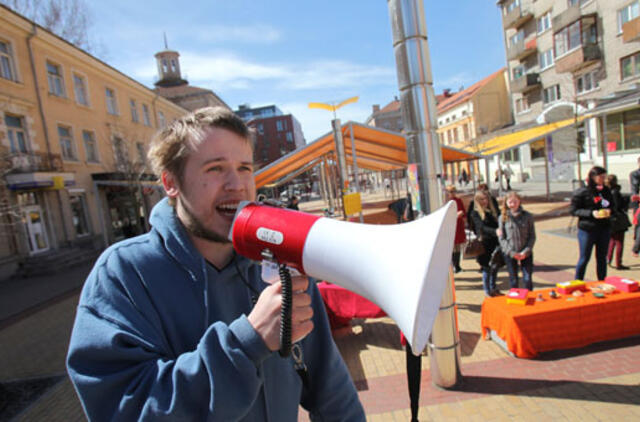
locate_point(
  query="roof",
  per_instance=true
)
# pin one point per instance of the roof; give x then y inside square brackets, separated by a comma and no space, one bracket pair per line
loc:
[376,149]
[466,94]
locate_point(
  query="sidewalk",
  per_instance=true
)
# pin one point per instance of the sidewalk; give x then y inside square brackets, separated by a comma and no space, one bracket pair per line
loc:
[599,382]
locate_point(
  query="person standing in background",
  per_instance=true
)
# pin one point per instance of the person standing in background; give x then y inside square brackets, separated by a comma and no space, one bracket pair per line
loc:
[517,235]
[461,236]
[592,205]
[619,222]
[485,223]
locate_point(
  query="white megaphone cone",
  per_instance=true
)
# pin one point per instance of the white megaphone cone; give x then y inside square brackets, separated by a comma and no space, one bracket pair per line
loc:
[402,268]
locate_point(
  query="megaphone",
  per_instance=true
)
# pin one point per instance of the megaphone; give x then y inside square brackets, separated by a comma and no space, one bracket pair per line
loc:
[402,268]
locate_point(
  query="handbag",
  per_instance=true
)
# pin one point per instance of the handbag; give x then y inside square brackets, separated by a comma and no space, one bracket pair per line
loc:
[473,247]
[619,222]
[497,259]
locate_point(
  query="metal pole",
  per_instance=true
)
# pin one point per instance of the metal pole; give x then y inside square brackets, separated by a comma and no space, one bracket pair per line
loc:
[605,158]
[418,105]
[343,175]
[354,166]
[546,167]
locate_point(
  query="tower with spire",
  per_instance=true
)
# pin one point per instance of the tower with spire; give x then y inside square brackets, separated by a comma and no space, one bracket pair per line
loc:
[172,86]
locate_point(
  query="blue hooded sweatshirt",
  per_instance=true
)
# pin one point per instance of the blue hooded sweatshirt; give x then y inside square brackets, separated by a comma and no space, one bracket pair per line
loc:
[160,334]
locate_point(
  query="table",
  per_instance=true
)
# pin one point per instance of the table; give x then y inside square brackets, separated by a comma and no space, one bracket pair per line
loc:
[560,324]
[343,305]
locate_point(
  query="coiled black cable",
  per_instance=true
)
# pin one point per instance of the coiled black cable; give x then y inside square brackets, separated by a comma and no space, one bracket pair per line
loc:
[285,311]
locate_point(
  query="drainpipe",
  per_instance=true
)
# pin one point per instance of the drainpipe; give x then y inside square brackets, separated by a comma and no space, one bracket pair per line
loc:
[418,105]
[37,86]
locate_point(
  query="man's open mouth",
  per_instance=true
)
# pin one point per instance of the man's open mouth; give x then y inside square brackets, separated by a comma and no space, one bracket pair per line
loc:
[227,209]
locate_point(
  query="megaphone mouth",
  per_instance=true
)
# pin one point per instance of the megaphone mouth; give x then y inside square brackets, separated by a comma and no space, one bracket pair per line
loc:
[241,205]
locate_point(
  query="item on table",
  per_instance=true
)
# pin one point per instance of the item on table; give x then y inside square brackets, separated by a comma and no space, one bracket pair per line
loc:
[602,288]
[553,294]
[517,296]
[577,293]
[598,295]
[539,298]
[571,299]
[623,284]
[569,286]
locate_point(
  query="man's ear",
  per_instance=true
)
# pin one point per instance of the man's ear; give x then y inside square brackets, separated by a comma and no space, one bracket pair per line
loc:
[170,184]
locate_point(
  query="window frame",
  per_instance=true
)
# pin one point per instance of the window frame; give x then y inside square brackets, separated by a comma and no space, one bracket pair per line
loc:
[629,6]
[11,64]
[557,94]
[92,138]
[545,17]
[525,102]
[162,121]
[133,108]
[593,81]
[542,56]
[84,88]
[58,77]
[146,115]
[635,64]
[81,200]
[12,132]
[71,143]
[111,101]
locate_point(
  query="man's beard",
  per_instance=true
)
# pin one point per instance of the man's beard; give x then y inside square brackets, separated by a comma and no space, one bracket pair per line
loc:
[197,229]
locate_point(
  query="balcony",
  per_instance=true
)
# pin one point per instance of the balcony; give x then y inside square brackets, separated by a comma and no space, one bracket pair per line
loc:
[631,30]
[33,162]
[578,58]
[517,17]
[526,83]
[569,16]
[523,49]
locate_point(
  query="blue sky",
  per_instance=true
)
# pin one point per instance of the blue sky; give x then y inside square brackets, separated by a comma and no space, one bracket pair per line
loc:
[292,52]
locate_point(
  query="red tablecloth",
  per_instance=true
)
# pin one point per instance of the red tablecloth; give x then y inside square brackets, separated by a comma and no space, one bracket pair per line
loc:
[342,305]
[561,324]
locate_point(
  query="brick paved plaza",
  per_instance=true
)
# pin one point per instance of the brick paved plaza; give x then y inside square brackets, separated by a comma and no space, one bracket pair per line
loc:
[599,382]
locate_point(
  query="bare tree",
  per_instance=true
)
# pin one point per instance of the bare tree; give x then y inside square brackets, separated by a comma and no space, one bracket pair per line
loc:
[69,19]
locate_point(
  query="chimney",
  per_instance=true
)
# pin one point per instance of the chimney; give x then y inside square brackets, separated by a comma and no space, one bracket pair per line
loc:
[376,108]
[446,92]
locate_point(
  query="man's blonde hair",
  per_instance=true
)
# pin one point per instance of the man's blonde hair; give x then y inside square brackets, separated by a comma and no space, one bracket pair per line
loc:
[171,147]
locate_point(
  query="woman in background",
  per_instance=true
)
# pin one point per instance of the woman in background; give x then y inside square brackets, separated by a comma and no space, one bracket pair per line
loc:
[592,205]
[619,222]
[517,235]
[461,237]
[485,223]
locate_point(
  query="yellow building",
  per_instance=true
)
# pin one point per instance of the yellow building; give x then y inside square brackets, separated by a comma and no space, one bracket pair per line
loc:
[471,113]
[74,133]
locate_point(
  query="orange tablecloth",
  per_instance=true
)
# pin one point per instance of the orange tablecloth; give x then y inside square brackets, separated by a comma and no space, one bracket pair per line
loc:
[560,324]
[343,305]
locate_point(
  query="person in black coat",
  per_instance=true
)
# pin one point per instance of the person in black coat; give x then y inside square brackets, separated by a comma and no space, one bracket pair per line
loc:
[619,222]
[592,205]
[485,222]
[484,188]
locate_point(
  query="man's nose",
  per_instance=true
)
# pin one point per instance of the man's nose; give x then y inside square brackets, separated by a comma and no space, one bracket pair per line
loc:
[234,181]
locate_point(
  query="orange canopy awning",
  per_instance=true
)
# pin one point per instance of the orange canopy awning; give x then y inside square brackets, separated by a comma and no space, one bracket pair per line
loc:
[375,149]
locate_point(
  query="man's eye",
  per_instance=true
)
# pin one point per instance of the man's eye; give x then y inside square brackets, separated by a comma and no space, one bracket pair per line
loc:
[214,169]
[246,168]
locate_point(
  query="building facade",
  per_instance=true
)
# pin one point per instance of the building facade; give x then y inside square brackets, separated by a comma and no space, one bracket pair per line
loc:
[276,134]
[566,58]
[73,139]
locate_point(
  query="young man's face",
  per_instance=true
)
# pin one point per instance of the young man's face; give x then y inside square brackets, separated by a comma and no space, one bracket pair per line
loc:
[217,176]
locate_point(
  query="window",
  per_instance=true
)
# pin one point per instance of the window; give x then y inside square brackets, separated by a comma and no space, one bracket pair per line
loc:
[66,143]
[544,22]
[112,104]
[522,105]
[145,115]
[260,129]
[165,66]
[465,131]
[56,83]
[515,39]
[551,94]
[289,137]
[161,120]
[7,70]
[630,66]
[455,134]
[574,2]
[627,13]
[280,126]
[79,214]
[16,134]
[80,89]
[587,82]
[567,39]
[90,147]
[174,68]
[142,154]
[134,111]
[623,131]
[546,59]
[512,5]
[537,149]
[511,155]
[518,71]
[119,152]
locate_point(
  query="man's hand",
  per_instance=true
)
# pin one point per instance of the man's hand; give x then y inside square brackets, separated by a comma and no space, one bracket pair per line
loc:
[519,256]
[265,317]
